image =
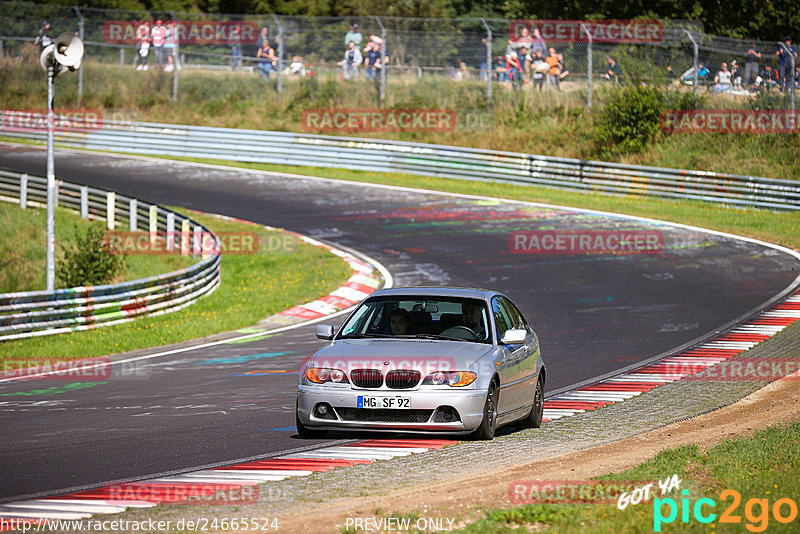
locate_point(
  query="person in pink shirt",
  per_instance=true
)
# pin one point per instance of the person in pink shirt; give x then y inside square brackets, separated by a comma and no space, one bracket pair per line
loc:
[159,36]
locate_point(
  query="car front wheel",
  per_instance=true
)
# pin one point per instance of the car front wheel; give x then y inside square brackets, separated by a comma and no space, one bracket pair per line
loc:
[489,423]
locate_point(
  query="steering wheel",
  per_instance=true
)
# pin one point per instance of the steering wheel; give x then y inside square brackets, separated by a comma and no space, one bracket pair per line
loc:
[459,331]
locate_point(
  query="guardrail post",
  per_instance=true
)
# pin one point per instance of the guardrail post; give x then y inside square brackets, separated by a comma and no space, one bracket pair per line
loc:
[111,209]
[84,202]
[133,214]
[185,231]
[23,191]
[197,245]
[170,231]
[153,225]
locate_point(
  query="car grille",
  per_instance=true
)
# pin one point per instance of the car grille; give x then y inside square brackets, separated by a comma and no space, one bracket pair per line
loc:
[402,379]
[384,416]
[366,378]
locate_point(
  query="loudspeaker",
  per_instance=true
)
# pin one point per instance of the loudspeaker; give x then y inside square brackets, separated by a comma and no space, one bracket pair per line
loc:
[67,50]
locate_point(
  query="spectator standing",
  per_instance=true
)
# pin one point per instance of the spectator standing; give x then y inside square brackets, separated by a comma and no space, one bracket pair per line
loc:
[266,56]
[785,73]
[263,35]
[736,75]
[769,77]
[353,36]
[538,43]
[514,65]
[554,72]
[43,38]
[169,45]
[752,57]
[159,35]
[142,45]
[523,41]
[539,68]
[797,76]
[236,46]
[722,81]
[613,71]
[351,62]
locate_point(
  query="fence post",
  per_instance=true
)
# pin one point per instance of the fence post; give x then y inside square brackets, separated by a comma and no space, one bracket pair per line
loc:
[1,49]
[197,244]
[81,35]
[280,56]
[383,60]
[133,215]
[175,60]
[170,231]
[488,62]
[787,51]
[588,66]
[153,224]
[23,191]
[84,202]
[121,57]
[696,54]
[111,209]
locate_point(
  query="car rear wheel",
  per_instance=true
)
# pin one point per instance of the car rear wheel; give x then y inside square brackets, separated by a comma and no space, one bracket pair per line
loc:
[534,419]
[306,432]
[489,423]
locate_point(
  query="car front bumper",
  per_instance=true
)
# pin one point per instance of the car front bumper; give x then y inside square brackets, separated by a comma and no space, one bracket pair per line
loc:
[468,403]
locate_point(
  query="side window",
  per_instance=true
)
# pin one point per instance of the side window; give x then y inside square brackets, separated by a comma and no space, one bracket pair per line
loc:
[516,317]
[501,319]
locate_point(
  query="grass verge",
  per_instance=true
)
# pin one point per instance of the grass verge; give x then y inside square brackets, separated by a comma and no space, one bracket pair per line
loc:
[761,470]
[253,287]
[23,254]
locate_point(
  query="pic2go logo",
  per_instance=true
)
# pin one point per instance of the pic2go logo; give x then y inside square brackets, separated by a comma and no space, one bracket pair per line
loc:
[756,511]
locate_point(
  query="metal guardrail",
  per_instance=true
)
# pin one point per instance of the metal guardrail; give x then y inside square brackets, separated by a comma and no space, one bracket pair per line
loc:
[38,313]
[430,160]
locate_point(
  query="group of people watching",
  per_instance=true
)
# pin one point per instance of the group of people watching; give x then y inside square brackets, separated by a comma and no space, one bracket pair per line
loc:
[162,39]
[753,79]
[528,60]
[372,59]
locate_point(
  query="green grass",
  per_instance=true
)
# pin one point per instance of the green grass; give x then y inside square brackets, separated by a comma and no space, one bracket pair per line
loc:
[23,254]
[253,287]
[777,227]
[763,466]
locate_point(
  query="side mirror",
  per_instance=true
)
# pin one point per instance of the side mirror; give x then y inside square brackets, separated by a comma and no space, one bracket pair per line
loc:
[324,331]
[514,336]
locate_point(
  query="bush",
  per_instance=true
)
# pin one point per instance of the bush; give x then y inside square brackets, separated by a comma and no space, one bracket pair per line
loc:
[88,263]
[631,118]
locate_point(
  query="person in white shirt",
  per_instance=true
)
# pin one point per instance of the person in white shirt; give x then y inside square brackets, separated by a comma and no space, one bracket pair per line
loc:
[722,81]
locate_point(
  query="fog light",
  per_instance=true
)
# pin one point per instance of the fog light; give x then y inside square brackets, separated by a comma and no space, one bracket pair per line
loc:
[322,410]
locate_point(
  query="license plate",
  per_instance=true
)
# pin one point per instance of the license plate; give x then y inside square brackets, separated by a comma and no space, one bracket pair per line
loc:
[392,403]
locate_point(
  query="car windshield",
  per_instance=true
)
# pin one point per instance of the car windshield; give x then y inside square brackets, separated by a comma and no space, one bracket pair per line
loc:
[457,319]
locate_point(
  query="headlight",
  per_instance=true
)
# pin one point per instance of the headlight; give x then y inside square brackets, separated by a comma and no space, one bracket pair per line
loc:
[450,378]
[320,375]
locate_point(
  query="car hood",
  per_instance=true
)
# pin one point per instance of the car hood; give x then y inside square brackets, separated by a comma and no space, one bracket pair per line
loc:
[421,354]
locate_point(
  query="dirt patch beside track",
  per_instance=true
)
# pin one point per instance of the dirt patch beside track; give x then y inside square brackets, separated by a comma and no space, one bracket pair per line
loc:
[778,402]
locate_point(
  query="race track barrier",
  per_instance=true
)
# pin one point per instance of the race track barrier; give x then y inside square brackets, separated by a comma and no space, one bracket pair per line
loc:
[37,313]
[430,160]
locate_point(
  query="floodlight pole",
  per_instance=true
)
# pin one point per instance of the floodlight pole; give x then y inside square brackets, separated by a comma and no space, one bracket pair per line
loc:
[51,180]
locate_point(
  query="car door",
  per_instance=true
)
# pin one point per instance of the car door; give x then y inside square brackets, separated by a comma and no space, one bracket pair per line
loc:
[529,366]
[512,387]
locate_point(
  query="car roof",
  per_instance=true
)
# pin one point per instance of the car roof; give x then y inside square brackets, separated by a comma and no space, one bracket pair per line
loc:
[458,292]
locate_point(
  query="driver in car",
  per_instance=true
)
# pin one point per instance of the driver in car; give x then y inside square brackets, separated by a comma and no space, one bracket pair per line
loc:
[399,321]
[471,318]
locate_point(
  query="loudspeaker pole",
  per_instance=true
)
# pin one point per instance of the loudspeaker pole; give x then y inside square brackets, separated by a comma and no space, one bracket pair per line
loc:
[51,181]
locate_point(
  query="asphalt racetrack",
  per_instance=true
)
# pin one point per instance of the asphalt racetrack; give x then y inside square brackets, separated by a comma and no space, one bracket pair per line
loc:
[594,313]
